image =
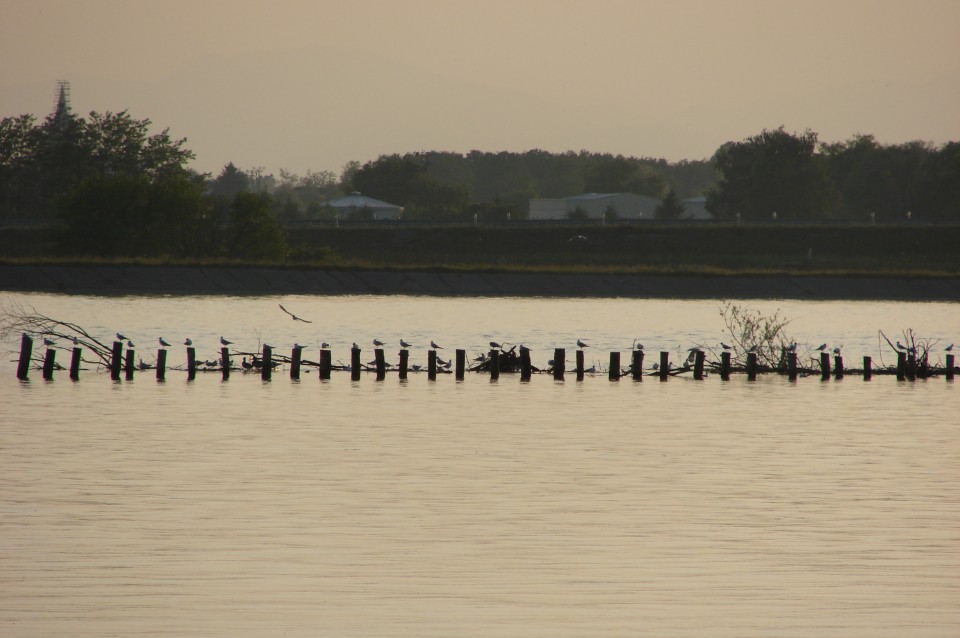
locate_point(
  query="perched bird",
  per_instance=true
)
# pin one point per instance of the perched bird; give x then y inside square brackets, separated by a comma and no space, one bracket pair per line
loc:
[130,345]
[47,342]
[188,342]
[581,344]
[481,358]
[224,342]
[823,347]
[752,348]
[655,366]
[591,370]
[725,346]
[494,344]
[416,367]
[297,346]
[900,346]
[577,238]
[120,337]
[524,348]
[295,317]
[355,346]
[948,348]
[836,350]
[791,348]
[246,365]
[76,342]
[435,346]
[377,342]
[163,343]
[637,345]
[324,345]
[447,364]
[404,344]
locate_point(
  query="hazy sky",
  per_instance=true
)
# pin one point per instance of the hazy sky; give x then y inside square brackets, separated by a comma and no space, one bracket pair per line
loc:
[311,84]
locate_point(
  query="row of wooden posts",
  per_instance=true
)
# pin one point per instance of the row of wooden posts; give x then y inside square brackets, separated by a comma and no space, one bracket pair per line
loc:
[907,365]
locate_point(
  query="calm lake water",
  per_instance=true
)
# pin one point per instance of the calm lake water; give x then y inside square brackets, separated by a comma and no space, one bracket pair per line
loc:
[478,508]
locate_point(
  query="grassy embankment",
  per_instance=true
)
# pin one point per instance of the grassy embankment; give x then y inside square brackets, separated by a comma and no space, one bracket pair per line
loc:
[884,250]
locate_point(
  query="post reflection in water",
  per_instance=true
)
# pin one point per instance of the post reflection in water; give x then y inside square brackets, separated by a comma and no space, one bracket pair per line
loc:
[439,508]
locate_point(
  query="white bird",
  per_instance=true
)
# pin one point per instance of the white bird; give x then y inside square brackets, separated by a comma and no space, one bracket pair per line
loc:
[224,342]
[295,317]
[435,346]
[791,348]
[120,337]
[404,344]
[377,342]
[76,341]
[188,342]
[582,344]
[447,364]
[355,347]
[494,344]
[163,343]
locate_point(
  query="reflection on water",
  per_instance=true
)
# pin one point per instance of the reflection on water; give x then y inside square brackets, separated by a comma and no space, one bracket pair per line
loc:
[478,508]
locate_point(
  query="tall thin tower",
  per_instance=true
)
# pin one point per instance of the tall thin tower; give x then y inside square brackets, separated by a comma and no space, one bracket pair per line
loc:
[61,113]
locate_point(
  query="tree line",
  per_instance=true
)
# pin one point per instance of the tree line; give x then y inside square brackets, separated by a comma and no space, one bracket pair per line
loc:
[116,189]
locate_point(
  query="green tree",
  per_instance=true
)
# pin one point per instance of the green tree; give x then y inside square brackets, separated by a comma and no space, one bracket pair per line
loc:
[230,181]
[253,233]
[670,207]
[774,171]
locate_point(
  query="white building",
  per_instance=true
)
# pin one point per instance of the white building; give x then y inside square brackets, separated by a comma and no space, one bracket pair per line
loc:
[696,208]
[625,205]
[357,203]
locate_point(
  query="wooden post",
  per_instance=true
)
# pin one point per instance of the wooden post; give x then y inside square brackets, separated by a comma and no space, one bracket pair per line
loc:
[295,355]
[725,365]
[824,366]
[867,368]
[664,365]
[115,357]
[524,364]
[838,367]
[161,364]
[912,366]
[75,363]
[380,364]
[950,366]
[129,365]
[559,363]
[792,366]
[901,366]
[191,363]
[614,372]
[26,350]
[432,365]
[494,365]
[48,360]
[225,362]
[580,365]
[326,364]
[698,365]
[751,366]
[266,370]
[461,364]
[355,364]
[404,362]
[636,366]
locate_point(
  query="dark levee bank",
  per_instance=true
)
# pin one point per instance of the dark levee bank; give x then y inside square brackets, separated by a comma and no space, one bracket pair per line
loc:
[896,262]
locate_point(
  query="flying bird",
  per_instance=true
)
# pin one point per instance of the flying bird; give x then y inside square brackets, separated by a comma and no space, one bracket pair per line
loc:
[224,342]
[435,346]
[295,317]
[163,343]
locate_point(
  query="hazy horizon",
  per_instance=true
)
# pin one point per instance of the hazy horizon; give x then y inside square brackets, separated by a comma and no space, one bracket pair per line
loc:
[304,85]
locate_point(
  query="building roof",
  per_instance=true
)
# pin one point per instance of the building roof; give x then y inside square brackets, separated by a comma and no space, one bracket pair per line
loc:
[356,200]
